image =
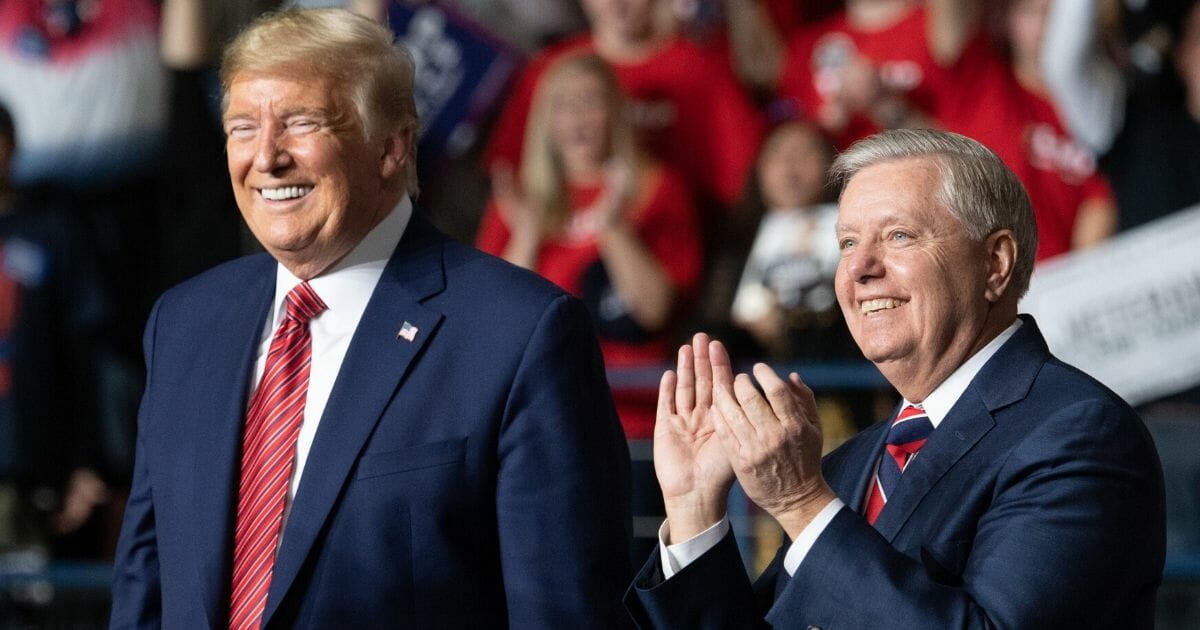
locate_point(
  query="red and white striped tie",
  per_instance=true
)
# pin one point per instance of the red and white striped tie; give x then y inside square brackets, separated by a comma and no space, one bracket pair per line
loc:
[906,436]
[268,455]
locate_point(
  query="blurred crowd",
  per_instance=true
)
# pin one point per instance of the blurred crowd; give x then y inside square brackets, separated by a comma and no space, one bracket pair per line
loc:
[663,160]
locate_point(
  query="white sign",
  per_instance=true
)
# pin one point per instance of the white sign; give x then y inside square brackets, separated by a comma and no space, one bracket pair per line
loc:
[1127,311]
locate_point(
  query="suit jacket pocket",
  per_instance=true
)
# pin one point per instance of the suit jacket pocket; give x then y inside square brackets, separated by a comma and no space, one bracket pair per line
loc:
[409,458]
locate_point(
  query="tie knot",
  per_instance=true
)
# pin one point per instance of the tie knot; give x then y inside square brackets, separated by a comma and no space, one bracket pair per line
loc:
[303,303]
[910,430]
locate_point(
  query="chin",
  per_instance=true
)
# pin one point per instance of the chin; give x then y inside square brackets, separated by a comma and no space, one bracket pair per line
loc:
[881,352]
[283,242]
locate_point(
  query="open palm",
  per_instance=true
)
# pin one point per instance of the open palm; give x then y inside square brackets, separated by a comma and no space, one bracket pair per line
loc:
[693,471]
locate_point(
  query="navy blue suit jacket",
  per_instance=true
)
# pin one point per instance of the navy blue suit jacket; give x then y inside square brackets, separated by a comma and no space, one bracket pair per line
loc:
[476,476]
[1037,503]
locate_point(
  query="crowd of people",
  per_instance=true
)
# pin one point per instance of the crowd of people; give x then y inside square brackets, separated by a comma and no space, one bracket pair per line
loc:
[664,161]
[750,153]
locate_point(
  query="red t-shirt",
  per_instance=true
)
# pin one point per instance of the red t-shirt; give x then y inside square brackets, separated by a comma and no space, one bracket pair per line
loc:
[1024,129]
[665,219]
[689,111]
[900,53]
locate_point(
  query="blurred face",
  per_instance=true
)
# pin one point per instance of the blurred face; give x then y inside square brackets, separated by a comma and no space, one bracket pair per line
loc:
[308,184]
[791,171]
[1026,23]
[579,121]
[631,20]
[911,284]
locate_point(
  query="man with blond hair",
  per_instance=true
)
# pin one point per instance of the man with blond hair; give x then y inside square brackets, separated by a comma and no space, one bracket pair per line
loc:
[369,425]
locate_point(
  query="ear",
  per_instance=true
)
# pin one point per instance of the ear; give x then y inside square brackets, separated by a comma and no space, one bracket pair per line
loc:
[396,151]
[1001,249]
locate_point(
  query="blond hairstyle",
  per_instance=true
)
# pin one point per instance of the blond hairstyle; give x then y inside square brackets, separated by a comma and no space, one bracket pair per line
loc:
[977,188]
[542,175]
[355,52]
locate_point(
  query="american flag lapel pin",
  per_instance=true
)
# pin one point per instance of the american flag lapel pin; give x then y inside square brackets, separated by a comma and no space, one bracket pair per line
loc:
[408,332]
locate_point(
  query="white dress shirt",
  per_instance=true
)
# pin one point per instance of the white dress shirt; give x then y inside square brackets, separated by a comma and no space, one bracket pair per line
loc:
[936,405]
[345,288]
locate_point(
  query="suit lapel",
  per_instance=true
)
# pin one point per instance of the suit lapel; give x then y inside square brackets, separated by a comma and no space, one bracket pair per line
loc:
[1003,380]
[376,362]
[222,401]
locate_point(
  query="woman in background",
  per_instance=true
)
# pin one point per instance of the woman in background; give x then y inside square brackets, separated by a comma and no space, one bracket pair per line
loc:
[590,212]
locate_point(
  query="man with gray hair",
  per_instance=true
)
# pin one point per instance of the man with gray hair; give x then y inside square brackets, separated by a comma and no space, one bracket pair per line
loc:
[1008,489]
[369,425]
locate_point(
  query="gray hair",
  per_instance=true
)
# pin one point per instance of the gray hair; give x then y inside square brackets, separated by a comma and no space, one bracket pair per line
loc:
[354,51]
[977,188]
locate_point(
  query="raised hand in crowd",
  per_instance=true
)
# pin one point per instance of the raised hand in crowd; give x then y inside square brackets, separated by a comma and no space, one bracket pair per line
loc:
[520,215]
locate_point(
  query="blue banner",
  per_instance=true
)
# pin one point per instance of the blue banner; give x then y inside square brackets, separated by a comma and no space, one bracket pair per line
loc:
[461,72]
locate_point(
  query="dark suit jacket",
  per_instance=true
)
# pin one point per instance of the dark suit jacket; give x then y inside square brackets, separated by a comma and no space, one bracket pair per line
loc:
[1037,503]
[474,477]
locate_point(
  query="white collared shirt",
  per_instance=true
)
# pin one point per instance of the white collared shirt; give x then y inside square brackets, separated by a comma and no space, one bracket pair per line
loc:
[936,405]
[345,288]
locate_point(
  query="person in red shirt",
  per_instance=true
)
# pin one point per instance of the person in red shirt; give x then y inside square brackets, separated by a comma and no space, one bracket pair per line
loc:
[688,109]
[749,36]
[590,213]
[1072,201]
[876,65]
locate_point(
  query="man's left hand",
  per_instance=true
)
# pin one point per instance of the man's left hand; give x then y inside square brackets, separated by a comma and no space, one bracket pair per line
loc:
[773,442]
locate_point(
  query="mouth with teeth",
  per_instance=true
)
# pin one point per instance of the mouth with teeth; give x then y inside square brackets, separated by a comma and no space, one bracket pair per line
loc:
[880,304]
[284,193]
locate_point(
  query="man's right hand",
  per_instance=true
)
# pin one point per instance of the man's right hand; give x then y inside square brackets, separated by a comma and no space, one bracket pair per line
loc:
[693,471]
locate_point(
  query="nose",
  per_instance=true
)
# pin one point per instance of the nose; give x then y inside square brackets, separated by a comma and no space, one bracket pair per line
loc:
[864,262]
[271,153]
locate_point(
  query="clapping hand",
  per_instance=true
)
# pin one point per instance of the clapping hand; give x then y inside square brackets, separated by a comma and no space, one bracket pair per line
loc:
[618,186]
[693,470]
[523,219]
[520,216]
[772,440]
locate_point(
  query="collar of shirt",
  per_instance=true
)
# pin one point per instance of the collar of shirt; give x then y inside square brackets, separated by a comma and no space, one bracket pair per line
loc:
[347,286]
[939,402]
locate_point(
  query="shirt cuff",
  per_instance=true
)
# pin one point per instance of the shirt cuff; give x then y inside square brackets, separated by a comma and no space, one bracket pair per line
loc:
[676,557]
[808,536]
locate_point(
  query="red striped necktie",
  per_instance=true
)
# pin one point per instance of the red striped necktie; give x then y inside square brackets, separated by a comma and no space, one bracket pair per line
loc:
[268,455]
[907,435]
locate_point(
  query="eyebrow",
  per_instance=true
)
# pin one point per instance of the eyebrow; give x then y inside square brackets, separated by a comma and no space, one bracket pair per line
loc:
[888,219]
[305,111]
[227,118]
[288,113]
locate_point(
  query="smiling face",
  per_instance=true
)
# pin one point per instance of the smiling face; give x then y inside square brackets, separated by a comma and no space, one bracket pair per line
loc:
[579,122]
[792,167]
[912,286]
[309,185]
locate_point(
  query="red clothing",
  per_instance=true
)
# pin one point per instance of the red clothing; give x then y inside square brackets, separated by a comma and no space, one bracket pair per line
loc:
[664,219]
[899,52]
[688,108]
[1024,129]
